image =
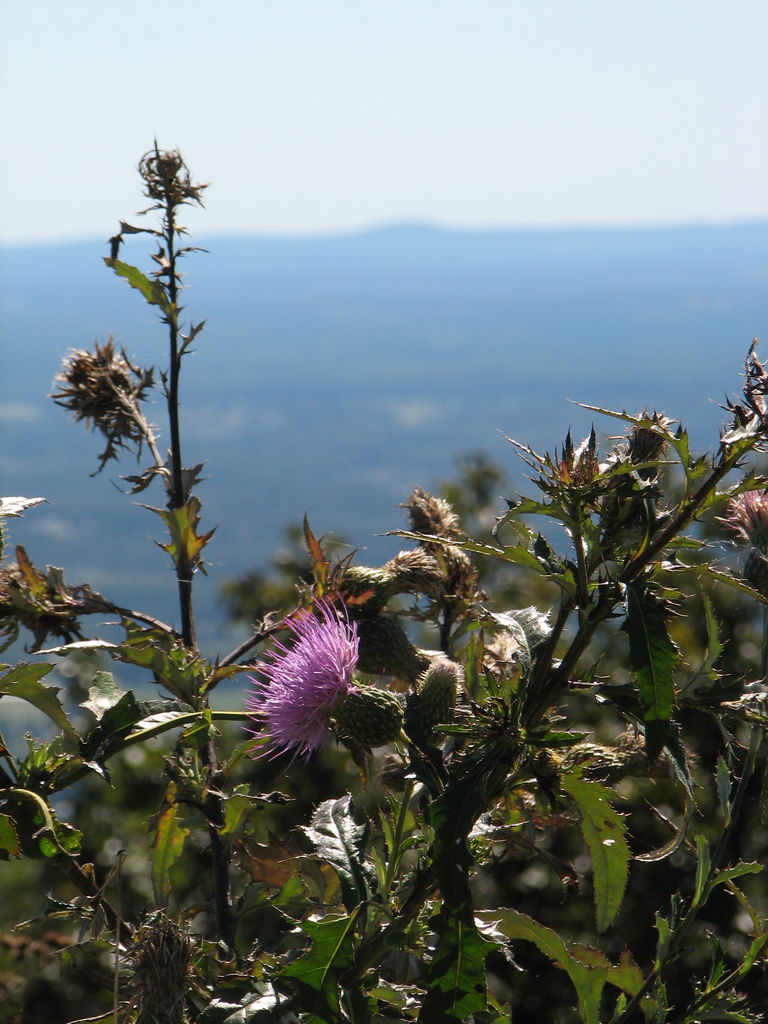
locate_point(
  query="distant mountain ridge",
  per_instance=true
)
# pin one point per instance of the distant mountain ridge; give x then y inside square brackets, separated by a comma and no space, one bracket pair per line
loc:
[335,373]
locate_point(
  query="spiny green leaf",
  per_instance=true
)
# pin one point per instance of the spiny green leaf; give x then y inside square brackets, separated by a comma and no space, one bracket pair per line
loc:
[340,841]
[452,815]
[456,974]
[314,977]
[653,657]
[23,681]
[714,645]
[167,846]
[152,291]
[9,841]
[588,969]
[723,782]
[604,830]
[186,543]
[703,863]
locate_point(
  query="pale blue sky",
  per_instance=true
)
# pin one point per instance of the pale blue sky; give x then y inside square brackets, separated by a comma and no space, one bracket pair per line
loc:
[324,115]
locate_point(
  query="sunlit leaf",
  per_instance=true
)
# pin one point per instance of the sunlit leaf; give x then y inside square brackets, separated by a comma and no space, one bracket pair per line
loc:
[103,694]
[9,840]
[152,291]
[186,543]
[320,564]
[254,1009]
[16,506]
[588,969]
[167,846]
[604,830]
[23,681]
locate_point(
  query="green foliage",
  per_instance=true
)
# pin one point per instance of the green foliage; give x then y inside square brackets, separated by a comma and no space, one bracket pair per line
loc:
[604,833]
[652,656]
[536,699]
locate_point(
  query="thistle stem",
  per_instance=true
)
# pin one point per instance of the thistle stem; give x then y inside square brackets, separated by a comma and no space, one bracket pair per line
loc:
[177,496]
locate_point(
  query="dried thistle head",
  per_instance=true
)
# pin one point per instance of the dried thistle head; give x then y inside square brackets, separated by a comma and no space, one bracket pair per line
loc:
[750,419]
[432,515]
[42,602]
[105,389]
[416,572]
[435,517]
[161,958]
[167,179]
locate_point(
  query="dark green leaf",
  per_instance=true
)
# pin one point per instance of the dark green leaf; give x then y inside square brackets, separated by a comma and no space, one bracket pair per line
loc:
[456,974]
[340,841]
[453,815]
[723,781]
[653,657]
[314,977]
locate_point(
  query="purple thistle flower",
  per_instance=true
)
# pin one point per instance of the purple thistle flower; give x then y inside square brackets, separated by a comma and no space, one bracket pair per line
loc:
[747,516]
[301,685]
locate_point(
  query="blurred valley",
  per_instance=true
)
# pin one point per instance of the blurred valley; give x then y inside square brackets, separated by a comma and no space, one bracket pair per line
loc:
[336,373]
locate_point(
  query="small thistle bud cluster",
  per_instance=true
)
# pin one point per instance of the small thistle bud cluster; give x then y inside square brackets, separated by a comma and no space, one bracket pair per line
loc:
[106,390]
[416,572]
[369,717]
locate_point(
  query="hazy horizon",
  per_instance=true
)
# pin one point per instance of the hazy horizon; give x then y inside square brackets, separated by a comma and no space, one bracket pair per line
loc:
[414,225]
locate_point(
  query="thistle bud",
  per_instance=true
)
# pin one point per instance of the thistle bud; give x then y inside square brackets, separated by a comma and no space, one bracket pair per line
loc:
[756,571]
[747,517]
[547,765]
[386,650]
[648,445]
[432,515]
[416,572]
[369,717]
[366,589]
[436,692]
